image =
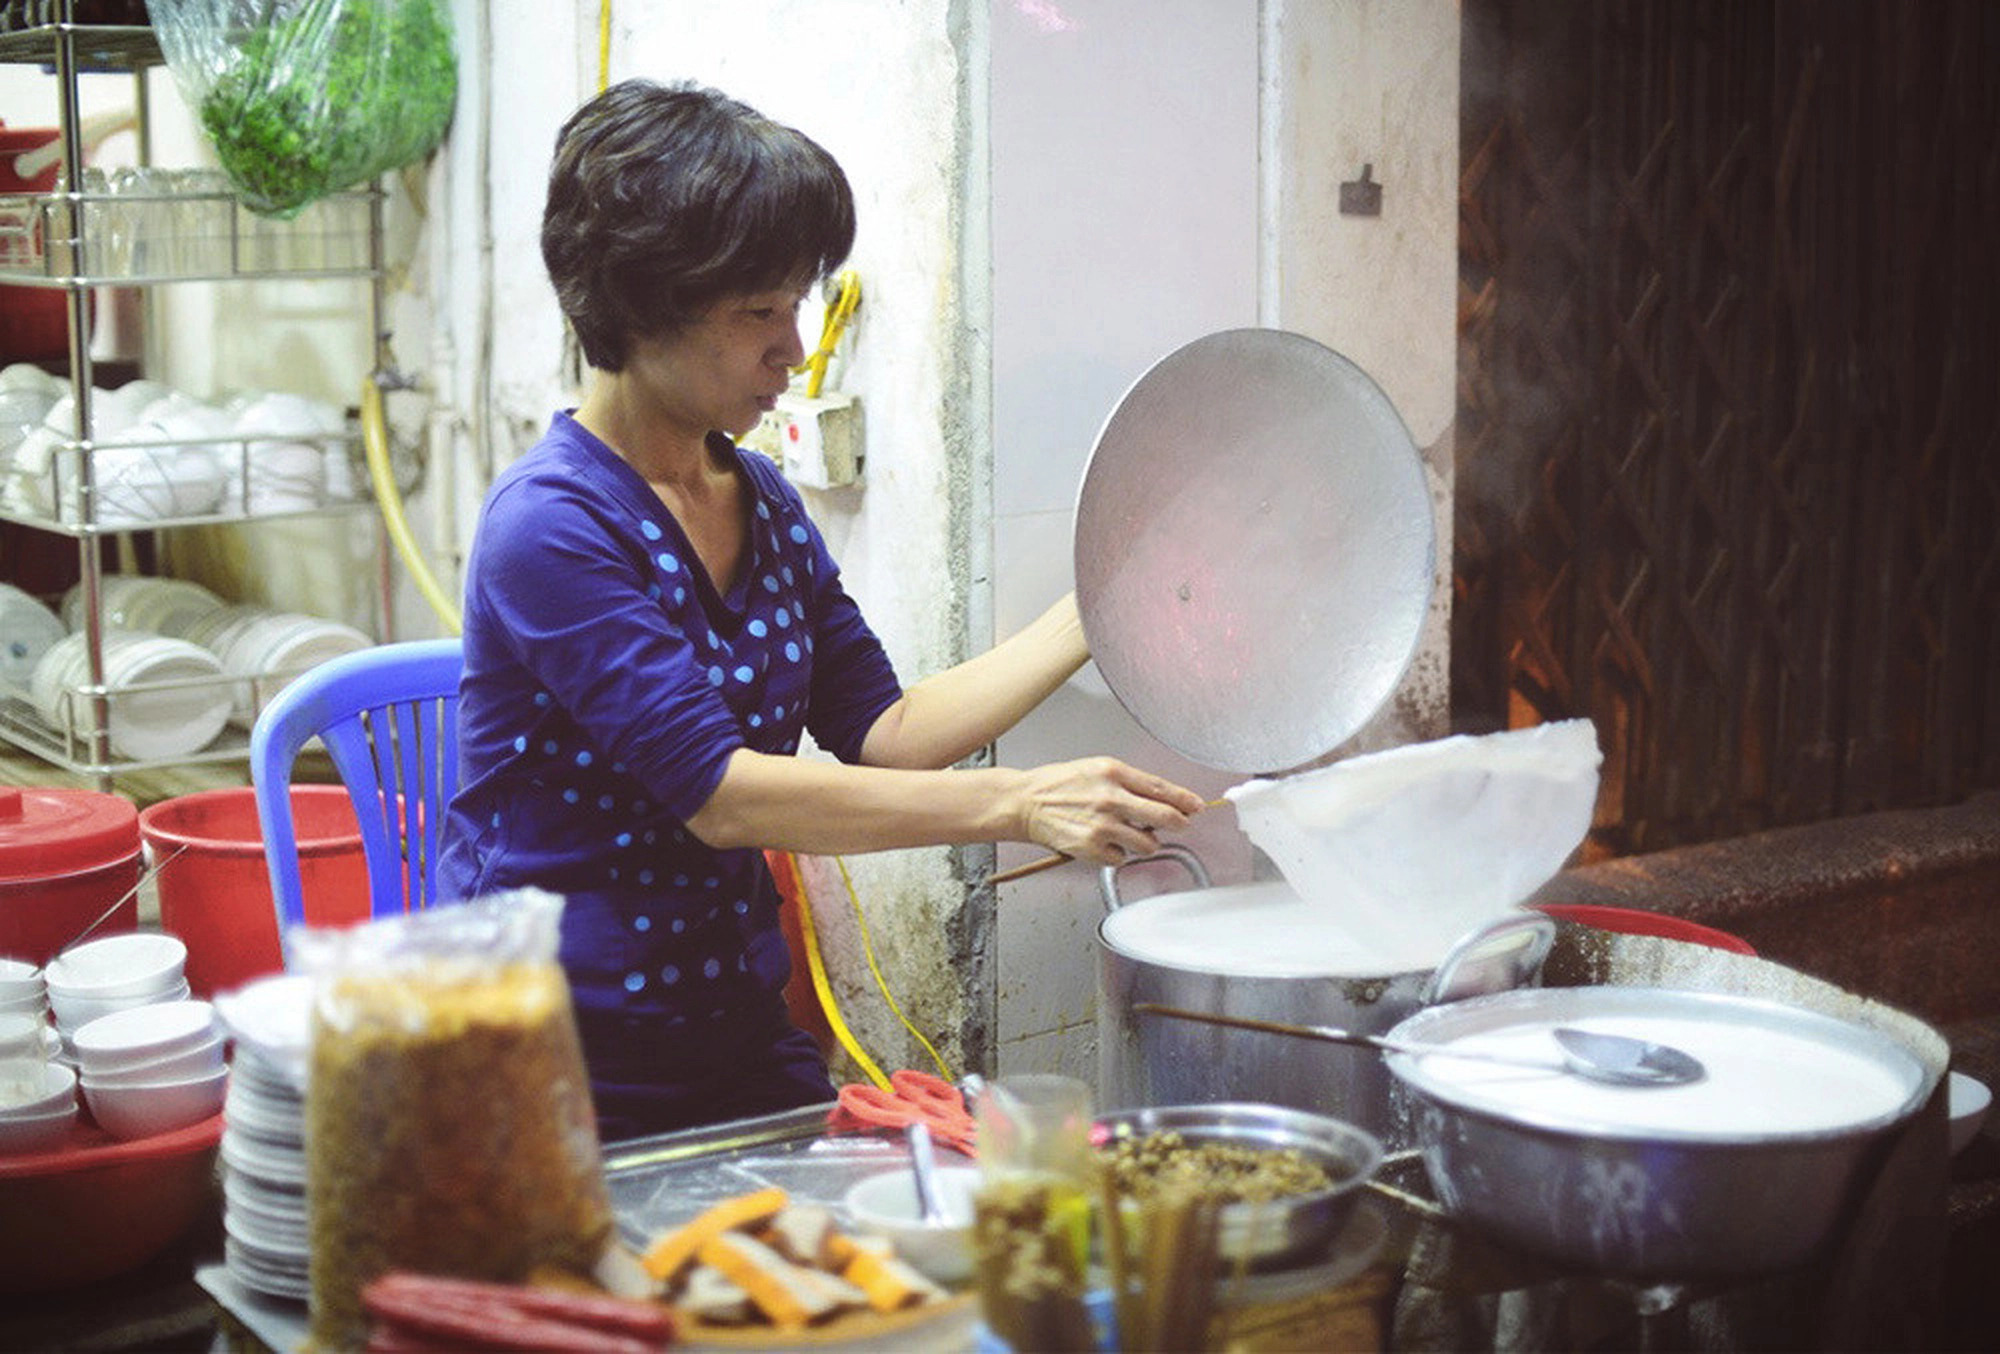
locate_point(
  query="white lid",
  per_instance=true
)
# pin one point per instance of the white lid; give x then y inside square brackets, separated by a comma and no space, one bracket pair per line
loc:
[1262,930]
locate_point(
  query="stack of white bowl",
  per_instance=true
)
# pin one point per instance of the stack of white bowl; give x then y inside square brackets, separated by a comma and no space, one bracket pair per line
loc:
[37,1095]
[265,1237]
[23,989]
[112,973]
[151,1069]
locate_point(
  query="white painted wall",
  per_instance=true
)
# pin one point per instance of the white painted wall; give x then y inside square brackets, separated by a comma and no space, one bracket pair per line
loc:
[1052,194]
[1164,169]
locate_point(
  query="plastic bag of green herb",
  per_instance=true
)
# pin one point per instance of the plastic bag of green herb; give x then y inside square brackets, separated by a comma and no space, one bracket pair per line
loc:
[305,98]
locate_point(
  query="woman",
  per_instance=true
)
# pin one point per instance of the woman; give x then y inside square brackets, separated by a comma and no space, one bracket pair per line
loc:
[652,623]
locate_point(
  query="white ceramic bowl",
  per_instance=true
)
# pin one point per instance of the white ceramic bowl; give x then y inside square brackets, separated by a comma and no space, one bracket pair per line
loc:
[38,1133]
[19,978]
[145,1110]
[189,1063]
[34,1004]
[886,1205]
[1969,1100]
[52,1086]
[73,1013]
[142,1035]
[21,1034]
[130,963]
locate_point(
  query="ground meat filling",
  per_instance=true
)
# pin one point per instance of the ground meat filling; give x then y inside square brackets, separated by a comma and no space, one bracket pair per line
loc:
[1166,1164]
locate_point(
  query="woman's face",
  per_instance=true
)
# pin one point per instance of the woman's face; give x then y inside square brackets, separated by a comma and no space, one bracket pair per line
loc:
[727,369]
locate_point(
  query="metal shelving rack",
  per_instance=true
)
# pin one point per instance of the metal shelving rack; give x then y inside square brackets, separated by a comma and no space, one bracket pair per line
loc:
[60,240]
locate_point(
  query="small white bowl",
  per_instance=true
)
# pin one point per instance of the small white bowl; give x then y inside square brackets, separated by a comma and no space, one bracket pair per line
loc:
[199,1061]
[73,1013]
[38,1133]
[37,1006]
[158,1107]
[21,1034]
[19,978]
[140,1035]
[57,1088]
[886,1205]
[1969,1099]
[131,963]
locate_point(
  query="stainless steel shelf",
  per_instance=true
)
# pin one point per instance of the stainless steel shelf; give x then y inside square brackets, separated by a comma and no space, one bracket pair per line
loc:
[141,485]
[145,227]
[158,234]
[99,47]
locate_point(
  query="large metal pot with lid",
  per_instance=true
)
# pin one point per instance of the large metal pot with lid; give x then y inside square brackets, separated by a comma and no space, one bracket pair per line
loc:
[1260,951]
[1754,1168]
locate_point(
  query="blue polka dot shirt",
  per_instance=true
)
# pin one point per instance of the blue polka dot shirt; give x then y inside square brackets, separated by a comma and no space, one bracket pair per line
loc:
[607,682]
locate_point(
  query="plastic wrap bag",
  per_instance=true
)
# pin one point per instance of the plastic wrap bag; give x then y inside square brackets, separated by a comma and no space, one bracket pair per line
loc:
[304,98]
[448,1119]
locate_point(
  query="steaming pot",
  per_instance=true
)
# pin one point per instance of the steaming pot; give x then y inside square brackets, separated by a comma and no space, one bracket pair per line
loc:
[1170,948]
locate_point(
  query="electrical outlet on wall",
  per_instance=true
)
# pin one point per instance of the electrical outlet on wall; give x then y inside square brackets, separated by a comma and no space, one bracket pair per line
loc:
[815,439]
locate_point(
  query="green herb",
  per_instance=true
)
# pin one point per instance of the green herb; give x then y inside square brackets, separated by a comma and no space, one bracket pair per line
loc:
[330,96]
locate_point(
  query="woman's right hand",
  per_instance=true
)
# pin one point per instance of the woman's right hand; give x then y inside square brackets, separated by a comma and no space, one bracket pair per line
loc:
[1102,810]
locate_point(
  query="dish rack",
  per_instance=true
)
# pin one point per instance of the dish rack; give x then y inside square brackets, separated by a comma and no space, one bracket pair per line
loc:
[143,228]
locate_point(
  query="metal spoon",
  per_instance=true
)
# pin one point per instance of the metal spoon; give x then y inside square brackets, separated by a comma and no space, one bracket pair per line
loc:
[930,1207]
[1615,1059]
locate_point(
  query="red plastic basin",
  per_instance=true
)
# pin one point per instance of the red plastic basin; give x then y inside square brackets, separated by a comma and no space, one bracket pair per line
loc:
[97,1207]
[1639,922]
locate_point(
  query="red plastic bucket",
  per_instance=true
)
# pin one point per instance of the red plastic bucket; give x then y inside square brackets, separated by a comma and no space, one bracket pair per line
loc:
[65,857]
[215,891]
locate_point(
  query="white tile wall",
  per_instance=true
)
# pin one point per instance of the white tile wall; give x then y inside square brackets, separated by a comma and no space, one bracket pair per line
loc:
[1125,222]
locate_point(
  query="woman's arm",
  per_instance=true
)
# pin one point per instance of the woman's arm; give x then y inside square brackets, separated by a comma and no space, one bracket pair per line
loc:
[953,714]
[1097,808]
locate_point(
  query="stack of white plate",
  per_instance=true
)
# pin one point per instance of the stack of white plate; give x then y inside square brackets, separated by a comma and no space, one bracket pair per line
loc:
[141,602]
[267,649]
[170,698]
[266,1242]
[28,629]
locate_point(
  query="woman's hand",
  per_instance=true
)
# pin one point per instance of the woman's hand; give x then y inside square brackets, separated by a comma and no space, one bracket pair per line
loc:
[1101,809]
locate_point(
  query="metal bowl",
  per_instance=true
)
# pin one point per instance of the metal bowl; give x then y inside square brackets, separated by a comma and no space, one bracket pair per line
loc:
[1274,1233]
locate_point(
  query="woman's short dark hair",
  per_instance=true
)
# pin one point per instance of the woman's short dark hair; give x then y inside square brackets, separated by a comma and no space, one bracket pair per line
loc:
[664,199]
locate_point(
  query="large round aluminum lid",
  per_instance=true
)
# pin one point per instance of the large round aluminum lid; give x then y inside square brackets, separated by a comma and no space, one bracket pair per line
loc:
[1254,550]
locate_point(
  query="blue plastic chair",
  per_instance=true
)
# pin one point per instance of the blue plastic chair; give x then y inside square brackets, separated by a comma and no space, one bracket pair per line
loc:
[389,719]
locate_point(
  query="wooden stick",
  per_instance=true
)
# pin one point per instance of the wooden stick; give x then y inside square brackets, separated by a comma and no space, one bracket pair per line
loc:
[1032,867]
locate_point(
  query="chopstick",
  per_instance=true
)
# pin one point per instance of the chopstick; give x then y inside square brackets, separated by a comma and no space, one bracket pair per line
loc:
[1050,862]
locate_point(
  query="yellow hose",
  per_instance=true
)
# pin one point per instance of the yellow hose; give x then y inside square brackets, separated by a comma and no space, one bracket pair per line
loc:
[375,442]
